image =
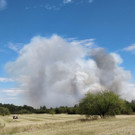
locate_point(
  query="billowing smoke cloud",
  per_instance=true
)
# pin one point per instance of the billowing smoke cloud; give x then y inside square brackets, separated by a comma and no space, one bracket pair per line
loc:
[57,72]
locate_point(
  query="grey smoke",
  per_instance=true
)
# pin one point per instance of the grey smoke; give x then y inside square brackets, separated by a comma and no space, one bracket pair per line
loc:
[111,75]
[55,72]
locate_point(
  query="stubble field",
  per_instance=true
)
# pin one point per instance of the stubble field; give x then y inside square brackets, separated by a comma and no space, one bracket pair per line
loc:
[45,124]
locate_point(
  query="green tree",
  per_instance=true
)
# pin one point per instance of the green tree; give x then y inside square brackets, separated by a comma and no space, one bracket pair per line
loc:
[105,103]
[4,111]
[126,108]
[24,111]
[51,111]
[42,110]
[132,105]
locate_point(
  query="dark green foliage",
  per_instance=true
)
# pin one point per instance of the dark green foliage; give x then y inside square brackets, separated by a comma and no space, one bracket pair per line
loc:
[4,111]
[51,111]
[42,110]
[13,109]
[104,104]
[61,109]
[132,105]
[29,109]
[126,108]
[73,110]
[24,111]
[68,110]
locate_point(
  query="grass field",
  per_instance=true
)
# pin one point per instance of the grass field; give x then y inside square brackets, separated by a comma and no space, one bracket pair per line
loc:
[44,124]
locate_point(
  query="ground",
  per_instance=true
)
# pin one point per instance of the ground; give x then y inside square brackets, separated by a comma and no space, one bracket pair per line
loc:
[45,124]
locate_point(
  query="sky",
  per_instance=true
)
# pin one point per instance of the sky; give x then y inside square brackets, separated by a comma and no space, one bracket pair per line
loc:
[108,24]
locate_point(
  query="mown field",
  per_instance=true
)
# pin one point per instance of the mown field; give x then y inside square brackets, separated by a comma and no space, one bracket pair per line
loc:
[44,124]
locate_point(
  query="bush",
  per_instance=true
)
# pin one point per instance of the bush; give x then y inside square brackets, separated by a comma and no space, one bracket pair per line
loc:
[105,103]
[4,111]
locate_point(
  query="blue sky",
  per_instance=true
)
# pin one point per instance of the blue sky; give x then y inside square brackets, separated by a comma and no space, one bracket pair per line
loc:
[111,23]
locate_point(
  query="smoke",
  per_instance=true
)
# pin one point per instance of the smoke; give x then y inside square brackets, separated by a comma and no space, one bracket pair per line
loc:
[55,71]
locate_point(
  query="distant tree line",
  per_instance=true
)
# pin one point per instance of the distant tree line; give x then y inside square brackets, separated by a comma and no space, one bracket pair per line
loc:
[103,104]
[13,109]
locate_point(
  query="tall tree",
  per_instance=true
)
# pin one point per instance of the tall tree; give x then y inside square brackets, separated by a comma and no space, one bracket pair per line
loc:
[103,104]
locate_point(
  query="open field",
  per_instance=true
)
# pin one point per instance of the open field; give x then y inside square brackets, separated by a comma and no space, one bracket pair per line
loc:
[44,124]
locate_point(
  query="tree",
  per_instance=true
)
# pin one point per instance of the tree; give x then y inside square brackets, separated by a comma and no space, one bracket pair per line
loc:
[4,111]
[42,110]
[51,111]
[127,108]
[103,103]
[72,110]
[132,105]
[28,108]
[23,111]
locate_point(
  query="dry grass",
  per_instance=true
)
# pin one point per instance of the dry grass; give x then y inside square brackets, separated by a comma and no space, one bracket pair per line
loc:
[38,124]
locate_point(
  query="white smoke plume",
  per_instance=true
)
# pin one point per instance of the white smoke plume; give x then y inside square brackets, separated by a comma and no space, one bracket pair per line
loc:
[56,72]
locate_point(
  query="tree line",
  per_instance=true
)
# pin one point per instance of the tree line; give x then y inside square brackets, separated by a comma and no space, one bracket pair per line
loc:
[6,109]
[104,103]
